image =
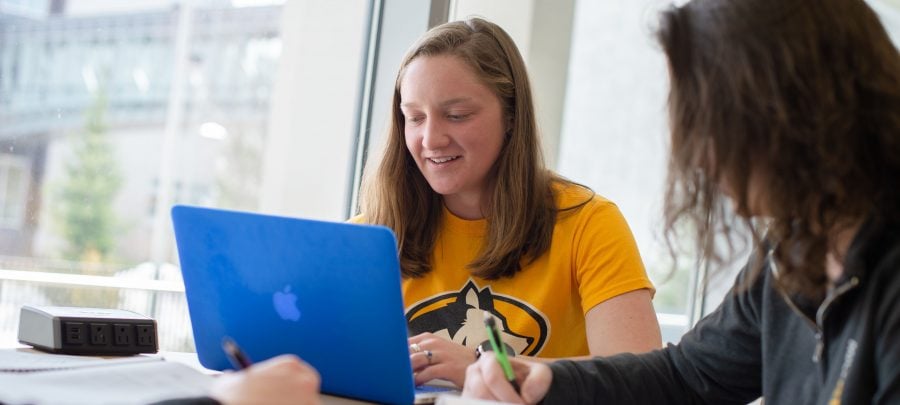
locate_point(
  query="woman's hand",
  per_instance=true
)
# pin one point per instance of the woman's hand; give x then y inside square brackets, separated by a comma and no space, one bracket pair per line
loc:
[485,380]
[434,357]
[279,380]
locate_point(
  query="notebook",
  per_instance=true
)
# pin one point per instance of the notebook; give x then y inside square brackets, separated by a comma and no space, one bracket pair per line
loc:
[95,380]
[26,360]
[327,292]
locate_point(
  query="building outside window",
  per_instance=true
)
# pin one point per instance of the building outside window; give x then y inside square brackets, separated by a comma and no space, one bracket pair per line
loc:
[111,112]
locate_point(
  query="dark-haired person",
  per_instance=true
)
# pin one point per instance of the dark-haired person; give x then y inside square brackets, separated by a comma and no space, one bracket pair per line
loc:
[791,110]
[483,225]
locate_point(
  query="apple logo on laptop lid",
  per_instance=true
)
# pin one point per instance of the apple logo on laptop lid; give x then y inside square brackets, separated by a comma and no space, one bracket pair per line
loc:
[286,304]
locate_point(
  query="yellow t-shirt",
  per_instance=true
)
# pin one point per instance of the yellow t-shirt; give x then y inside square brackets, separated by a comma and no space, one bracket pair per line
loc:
[592,258]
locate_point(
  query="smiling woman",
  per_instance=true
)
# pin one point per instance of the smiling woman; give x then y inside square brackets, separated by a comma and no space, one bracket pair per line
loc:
[482,224]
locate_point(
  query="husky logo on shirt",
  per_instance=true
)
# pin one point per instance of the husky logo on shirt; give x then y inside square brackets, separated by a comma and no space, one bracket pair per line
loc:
[459,317]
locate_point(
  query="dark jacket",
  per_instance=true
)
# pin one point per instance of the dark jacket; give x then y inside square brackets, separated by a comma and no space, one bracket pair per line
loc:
[760,342]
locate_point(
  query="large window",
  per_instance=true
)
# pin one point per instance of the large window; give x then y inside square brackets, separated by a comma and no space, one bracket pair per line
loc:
[112,111]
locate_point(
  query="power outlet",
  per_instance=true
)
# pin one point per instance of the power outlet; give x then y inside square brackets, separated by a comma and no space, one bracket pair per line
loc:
[86,331]
[100,334]
[123,334]
[146,335]
[75,333]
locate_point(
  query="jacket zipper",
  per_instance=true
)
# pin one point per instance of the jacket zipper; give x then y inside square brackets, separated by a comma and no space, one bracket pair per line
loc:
[818,324]
[823,310]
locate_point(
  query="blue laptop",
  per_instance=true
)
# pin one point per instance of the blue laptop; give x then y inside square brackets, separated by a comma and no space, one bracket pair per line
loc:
[327,292]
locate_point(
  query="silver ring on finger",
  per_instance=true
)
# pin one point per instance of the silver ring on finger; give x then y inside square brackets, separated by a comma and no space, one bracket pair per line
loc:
[430,356]
[415,348]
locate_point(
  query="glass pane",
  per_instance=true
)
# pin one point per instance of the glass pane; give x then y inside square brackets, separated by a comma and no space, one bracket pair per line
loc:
[119,110]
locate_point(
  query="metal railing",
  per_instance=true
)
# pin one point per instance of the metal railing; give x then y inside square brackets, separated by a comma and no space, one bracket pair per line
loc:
[162,300]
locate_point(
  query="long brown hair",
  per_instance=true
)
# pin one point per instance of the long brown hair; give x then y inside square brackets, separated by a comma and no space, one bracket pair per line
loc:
[522,209]
[805,96]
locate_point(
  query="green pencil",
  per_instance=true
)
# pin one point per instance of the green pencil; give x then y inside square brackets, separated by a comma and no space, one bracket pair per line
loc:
[499,349]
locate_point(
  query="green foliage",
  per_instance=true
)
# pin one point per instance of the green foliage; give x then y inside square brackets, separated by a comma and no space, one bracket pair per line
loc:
[85,197]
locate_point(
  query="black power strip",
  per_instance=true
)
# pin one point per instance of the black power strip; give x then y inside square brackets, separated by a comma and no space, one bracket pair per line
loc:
[92,331]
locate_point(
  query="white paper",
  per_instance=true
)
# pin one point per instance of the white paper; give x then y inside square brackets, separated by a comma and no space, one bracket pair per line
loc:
[26,360]
[135,383]
[453,400]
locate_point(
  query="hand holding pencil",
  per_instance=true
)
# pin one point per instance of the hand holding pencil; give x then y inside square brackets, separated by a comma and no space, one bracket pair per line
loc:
[283,379]
[485,379]
[496,377]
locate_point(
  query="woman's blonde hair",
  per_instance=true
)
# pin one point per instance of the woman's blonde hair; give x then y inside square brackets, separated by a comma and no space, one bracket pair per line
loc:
[521,212]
